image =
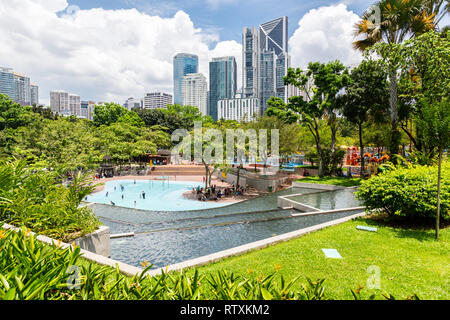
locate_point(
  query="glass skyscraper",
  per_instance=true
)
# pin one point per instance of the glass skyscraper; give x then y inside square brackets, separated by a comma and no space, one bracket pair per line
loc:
[265,61]
[222,82]
[183,64]
[7,85]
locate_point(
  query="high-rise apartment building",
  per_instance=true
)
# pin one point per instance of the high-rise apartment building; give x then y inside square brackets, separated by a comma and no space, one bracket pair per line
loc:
[7,85]
[59,102]
[222,82]
[18,87]
[265,60]
[195,91]
[183,64]
[22,89]
[34,94]
[157,100]
[75,104]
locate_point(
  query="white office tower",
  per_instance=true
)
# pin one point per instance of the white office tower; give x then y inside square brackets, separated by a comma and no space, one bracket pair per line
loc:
[34,94]
[238,109]
[22,89]
[75,104]
[59,102]
[195,91]
[157,100]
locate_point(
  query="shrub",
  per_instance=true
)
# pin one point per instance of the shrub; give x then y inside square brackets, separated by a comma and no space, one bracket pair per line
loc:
[30,270]
[409,192]
[32,198]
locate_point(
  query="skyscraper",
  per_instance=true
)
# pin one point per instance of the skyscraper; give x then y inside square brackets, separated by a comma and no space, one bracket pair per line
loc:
[250,62]
[195,91]
[183,64]
[265,60]
[18,87]
[222,82]
[7,85]
[34,94]
[75,104]
[267,77]
[22,89]
[59,102]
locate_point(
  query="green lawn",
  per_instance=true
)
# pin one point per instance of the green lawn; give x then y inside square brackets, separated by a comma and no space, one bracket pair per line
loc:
[410,261]
[338,181]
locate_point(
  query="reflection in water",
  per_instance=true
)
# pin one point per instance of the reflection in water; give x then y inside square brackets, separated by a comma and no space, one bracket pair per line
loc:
[329,200]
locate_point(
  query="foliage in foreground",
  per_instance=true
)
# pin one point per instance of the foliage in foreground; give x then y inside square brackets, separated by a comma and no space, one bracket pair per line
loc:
[32,270]
[34,199]
[409,192]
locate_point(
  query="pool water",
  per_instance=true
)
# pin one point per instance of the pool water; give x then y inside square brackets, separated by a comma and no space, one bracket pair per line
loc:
[330,200]
[159,195]
[169,237]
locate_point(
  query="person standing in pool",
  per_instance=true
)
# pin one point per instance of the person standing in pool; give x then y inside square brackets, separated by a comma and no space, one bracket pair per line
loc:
[143,195]
[122,196]
[107,193]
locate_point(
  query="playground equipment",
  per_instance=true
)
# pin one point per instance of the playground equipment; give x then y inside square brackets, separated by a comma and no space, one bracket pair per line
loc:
[352,158]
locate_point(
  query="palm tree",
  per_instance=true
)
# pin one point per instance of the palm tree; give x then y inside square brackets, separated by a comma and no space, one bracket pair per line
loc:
[392,22]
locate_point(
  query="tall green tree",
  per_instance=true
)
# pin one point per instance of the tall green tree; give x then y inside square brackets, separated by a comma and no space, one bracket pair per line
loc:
[392,22]
[110,113]
[321,85]
[366,98]
[425,62]
[435,124]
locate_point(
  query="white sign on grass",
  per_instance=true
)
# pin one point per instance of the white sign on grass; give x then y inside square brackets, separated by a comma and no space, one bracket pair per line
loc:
[332,253]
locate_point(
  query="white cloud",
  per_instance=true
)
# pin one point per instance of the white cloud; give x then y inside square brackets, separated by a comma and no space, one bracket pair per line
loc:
[325,34]
[104,55]
[110,55]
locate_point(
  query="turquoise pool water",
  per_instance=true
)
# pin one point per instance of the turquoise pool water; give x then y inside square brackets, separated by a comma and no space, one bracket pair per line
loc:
[159,195]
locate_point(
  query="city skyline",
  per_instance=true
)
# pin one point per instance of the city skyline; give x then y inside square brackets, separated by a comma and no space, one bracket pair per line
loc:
[119,49]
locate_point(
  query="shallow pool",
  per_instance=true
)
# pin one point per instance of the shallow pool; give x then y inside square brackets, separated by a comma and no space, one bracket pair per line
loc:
[152,195]
[169,237]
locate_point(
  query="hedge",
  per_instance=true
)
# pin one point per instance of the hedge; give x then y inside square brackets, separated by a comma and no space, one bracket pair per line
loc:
[409,192]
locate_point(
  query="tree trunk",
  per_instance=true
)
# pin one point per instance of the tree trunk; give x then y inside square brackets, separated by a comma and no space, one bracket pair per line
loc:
[393,111]
[206,173]
[238,176]
[316,135]
[438,195]
[333,143]
[361,149]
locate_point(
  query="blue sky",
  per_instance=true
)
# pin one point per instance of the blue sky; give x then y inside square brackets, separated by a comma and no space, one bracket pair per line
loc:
[226,17]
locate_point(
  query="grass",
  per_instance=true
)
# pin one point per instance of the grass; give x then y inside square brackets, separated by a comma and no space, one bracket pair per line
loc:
[338,181]
[410,261]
